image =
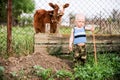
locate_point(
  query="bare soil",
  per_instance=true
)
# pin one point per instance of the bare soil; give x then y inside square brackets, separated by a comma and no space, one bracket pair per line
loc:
[14,64]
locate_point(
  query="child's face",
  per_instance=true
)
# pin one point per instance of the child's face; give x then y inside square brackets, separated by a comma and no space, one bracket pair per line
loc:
[80,22]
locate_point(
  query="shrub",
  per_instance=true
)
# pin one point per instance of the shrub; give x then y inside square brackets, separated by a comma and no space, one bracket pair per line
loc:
[103,70]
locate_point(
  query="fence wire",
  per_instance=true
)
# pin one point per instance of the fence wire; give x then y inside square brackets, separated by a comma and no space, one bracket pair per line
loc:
[104,14]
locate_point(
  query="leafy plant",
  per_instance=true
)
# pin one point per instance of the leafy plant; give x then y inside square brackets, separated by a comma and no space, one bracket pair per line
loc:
[2,73]
[63,74]
[14,74]
[43,73]
[2,69]
[115,62]
[103,70]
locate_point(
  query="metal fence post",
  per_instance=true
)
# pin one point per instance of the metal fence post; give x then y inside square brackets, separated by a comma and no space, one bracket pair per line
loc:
[9,26]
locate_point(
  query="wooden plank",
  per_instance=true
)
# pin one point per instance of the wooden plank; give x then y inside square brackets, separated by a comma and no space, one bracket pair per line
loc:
[45,41]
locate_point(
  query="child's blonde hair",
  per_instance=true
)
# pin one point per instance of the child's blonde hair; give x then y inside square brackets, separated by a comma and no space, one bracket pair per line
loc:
[80,16]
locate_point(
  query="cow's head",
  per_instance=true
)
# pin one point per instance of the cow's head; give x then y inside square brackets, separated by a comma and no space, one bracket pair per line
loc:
[58,11]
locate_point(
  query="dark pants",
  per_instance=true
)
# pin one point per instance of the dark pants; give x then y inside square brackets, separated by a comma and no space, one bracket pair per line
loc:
[79,54]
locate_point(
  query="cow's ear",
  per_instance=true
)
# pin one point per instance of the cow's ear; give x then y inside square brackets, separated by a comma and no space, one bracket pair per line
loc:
[66,5]
[52,5]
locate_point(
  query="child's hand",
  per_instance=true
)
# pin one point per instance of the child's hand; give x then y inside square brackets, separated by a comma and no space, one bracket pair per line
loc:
[70,48]
[92,28]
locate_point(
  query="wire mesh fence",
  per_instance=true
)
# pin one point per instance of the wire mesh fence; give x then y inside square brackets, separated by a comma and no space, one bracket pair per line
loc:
[104,14]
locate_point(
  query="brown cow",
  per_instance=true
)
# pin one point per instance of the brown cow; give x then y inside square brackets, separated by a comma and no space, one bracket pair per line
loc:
[42,17]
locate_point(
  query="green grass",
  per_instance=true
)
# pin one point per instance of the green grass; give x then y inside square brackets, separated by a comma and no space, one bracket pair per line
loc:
[65,30]
[22,40]
[3,40]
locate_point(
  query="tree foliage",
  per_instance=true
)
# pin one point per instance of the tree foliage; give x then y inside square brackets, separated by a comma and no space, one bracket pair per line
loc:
[18,7]
[3,10]
[25,6]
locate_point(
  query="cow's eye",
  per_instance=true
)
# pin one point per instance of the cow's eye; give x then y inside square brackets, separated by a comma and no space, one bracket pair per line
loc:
[51,14]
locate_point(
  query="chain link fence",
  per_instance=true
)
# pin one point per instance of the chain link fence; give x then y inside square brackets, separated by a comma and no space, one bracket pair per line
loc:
[104,14]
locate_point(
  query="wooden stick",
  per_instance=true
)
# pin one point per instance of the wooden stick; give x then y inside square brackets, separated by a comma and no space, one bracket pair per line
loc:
[9,27]
[94,43]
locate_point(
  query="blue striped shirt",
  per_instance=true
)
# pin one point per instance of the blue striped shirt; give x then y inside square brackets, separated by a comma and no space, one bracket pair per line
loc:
[79,35]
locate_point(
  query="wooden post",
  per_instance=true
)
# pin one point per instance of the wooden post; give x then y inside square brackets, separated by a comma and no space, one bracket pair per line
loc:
[94,43]
[9,26]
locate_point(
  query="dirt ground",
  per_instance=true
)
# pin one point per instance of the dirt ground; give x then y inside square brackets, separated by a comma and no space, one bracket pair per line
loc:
[25,63]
